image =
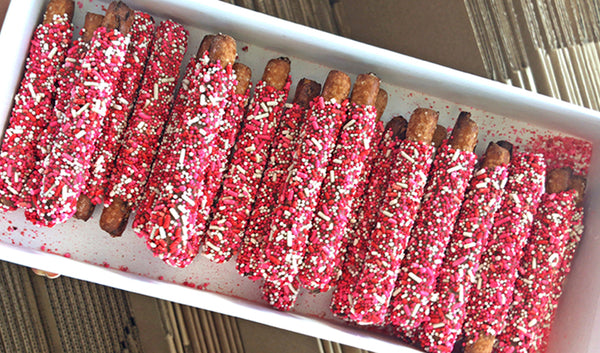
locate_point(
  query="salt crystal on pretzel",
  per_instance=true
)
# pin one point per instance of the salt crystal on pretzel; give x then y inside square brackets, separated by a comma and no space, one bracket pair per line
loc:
[284,146]
[252,148]
[32,110]
[299,194]
[67,164]
[539,268]
[577,183]
[358,237]
[408,177]
[140,142]
[335,198]
[448,180]
[67,77]
[491,296]
[173,236]
[148,194]
[107,145]
[457,272]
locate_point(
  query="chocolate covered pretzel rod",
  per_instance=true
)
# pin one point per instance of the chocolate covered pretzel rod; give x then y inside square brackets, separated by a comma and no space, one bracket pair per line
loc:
[448,180]
[358,239]
[539,266]
[491,296]
[173,236]
[358,193]
[471,231]
[578,184]
[335,198]
[32,110]
[140,38]
[224,142]
[141,138]
[251,252]
[371,295]
[151,190]
[66,78]
[299,195]
[67,164]
[241,182]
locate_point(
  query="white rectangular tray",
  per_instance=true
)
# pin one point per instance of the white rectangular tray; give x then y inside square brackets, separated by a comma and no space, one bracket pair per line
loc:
[81,250]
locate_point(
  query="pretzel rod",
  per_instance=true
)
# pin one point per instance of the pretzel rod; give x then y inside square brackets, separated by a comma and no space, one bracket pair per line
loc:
[149,192]
[299,194]
[439,136]
[284,146]
[357,197]
[448,180]
[356,248]
[473,225]
[67,164]
[378,131]
[335,198]
[577,183]
[224,142]
[108,143]
[32,110]
[490,298]
[241,182]
[371,295]
[66,78]
[539,266]
[141,138]
[173,218]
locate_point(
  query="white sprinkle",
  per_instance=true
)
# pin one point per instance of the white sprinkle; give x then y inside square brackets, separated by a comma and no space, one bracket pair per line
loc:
[324,216]
[162,232]
[337,161]
[272,103]
[515,199]
[455,168]
[316,143]
[30,86]
[455,155]
[91,84]
[264,107]
[11,189]
[409,158]
[554,259]
[260,116]
[238,167]
[174,213]
[291,287]
[52,52]
[414,277]
[366,144]
[532,322]
[146,104]
[468,234]
[349,124]
[533,263]
[187,199]
[416,309]
[156,91]
[388,153]
[182,156]
[135,57]
[81,110]
[332,176]
[438,325]
[528,282]
[288,105]
[387,213]
[350,300]
[396,292]
[71,60]
[80,134]
[212,246]
[479,282]
[202,100]
[290,239]
[521,328]
[141,125]
[470,245]
[117,106]
[167,80]
[250,148]
[402,185]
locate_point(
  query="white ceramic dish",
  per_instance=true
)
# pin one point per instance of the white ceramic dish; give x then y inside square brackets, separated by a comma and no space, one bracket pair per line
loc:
[82,250]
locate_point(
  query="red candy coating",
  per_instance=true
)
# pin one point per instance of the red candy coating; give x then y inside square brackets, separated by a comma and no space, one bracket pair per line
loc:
[492,294]
[372,293]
